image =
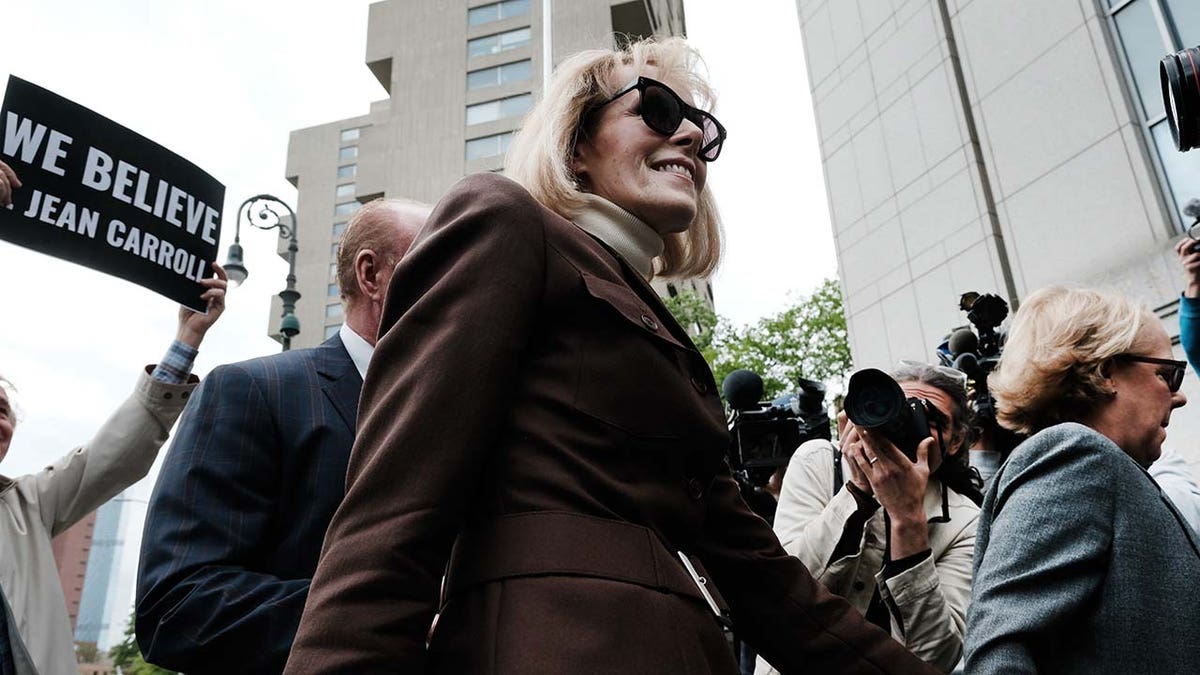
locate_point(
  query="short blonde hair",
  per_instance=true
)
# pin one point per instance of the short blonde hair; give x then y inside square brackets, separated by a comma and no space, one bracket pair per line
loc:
[541,153]
[1060,343]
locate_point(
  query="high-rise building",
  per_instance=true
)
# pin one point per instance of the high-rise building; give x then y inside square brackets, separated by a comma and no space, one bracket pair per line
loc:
[459,74]
[995,146]
[72,551]
[94,609]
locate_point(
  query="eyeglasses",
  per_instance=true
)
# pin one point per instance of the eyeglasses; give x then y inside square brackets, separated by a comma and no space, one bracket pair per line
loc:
[1178,368]
[663,111]
[953,373]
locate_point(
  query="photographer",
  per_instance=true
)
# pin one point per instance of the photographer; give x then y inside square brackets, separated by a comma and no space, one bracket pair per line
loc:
[905,566]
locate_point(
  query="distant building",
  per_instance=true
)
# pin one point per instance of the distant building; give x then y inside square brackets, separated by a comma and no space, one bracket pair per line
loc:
[71,550]
[108,588]
[996,146]
[460,74]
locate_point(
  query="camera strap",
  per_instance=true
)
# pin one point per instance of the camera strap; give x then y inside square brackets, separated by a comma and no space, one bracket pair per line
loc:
[838,480]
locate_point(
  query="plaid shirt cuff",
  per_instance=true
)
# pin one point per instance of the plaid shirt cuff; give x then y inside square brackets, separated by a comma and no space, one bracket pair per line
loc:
[176,365]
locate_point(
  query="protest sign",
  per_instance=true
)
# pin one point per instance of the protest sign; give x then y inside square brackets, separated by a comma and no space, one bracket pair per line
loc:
[100,195]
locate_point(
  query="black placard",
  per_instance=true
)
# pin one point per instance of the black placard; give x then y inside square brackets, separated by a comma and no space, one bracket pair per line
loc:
[100,195]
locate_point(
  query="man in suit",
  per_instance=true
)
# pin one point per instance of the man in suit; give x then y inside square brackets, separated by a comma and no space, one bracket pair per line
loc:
[238,515]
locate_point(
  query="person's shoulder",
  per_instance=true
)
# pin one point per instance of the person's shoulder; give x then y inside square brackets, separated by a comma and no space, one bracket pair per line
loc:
[290,364]
[1069,449]
[491,191]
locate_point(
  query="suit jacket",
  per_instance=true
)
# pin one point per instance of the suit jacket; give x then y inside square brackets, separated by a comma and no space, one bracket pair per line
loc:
[235,524]
[533,405]
[1082,565]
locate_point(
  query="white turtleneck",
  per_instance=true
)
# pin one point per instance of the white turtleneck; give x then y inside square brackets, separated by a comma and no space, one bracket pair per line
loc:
[632,239]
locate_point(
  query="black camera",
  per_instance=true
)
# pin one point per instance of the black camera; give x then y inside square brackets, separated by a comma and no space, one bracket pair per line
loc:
[764,434]
[875,401]
[1179,74]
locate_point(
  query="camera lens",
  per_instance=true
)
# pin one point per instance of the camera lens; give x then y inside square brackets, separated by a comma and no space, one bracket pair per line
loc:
[1179,74]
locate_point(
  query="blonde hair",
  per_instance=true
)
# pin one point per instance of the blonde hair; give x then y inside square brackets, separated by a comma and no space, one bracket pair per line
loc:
[539,157]
[1054,362]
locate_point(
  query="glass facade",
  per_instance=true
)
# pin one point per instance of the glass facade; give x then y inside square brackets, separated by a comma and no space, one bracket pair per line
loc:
[1148,30]
[496,11]
[488,146]
[490,111]
[500,42]
[517,71]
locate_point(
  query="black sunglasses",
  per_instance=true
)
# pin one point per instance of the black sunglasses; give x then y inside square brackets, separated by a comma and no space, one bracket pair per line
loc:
[1178,368]
[663,111]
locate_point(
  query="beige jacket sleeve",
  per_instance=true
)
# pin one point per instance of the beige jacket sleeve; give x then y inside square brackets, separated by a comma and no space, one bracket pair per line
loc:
[119,455]
[929,602]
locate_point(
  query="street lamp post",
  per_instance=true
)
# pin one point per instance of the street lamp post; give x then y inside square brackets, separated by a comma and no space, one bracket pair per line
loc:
[260,211]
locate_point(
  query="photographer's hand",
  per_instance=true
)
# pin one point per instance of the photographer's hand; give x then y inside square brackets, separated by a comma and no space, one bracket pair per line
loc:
[1190,261]
[852,449]
[899,486]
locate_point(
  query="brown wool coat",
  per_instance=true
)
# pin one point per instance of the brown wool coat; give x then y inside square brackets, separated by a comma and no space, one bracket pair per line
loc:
[533,405]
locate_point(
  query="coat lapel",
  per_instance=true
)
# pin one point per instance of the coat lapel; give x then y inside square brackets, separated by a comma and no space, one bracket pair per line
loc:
[340,380]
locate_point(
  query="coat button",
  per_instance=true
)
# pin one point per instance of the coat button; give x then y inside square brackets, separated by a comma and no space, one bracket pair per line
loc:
[695,488]
[650,322]
[699,384]
[858,585]
[184,394]
[167,395]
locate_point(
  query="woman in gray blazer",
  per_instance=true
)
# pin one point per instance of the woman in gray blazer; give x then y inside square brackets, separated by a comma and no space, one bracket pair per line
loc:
[1081,564]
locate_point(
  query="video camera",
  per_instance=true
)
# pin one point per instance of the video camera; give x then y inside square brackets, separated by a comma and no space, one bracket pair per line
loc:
[764,434]
[977,353]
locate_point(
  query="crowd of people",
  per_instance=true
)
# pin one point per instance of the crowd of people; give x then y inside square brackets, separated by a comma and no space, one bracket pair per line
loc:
[511,458]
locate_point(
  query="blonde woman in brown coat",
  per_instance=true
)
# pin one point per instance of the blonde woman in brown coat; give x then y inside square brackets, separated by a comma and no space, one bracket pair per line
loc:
[536,426]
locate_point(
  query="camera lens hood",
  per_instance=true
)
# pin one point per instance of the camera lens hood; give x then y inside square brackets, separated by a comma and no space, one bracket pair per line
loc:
[1179,75]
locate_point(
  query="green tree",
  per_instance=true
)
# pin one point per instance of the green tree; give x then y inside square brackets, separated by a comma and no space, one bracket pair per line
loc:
[806,339]
[128,658]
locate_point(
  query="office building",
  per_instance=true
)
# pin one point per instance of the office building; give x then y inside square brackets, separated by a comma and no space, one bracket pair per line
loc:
[72,550]
[459,75]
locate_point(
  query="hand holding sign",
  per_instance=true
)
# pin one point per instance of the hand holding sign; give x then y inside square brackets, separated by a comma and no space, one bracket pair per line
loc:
[192,324]
[8,181]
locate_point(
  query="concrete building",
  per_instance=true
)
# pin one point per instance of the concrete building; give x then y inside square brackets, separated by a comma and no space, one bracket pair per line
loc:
[72,551]
[459,74]
[995,146]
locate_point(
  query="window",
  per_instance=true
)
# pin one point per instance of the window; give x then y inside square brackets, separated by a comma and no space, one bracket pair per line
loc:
[333,311]
[333,249]
[348,152]
[332,290]
[517,71]
[347,171]
[496,11]
[488,146]
[332,270]
[344,191]
[1146,30]
[490,111]
[349,135]
[330,331]
[500,42]
[346,209]
[338,230]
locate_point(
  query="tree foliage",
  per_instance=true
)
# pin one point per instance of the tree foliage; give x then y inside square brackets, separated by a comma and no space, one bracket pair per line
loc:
[128,657]
[806,339]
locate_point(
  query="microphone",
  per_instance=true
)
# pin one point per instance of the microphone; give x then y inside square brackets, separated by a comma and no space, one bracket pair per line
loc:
[963,341]
[968,363]
[742,389]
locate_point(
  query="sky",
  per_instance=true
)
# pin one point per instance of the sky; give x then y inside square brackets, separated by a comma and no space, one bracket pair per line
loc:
[222,83]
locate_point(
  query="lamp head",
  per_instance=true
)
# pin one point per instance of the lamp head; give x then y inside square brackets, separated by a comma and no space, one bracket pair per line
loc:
[289,326]
[235,265]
